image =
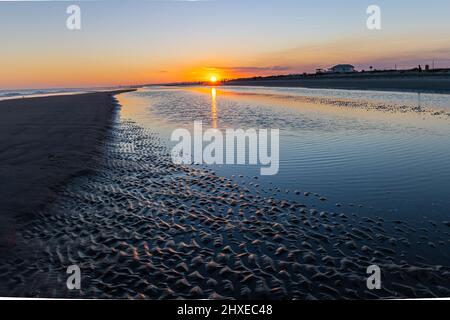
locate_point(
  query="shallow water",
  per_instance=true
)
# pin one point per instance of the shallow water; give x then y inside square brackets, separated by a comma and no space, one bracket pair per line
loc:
[36,93]
[139,226]
[372,149]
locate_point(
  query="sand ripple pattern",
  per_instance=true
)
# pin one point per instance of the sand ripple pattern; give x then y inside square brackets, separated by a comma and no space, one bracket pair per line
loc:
[141,227]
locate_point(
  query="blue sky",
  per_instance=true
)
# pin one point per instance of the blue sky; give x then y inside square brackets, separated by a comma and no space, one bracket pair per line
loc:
[123,42]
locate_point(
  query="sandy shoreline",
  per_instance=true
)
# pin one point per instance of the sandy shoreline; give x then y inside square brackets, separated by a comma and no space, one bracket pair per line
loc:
[141,227]
[44,142]
[414,84]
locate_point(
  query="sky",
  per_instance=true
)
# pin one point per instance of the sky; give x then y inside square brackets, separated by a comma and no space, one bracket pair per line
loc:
[143,42]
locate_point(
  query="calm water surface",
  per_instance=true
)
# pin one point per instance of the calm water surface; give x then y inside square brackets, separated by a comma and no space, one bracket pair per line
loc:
[379,160]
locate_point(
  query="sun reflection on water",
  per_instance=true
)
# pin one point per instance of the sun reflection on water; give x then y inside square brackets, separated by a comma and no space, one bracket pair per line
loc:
[213,108]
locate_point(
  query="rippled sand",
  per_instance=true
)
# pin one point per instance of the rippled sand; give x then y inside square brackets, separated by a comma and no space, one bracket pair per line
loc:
[141,227]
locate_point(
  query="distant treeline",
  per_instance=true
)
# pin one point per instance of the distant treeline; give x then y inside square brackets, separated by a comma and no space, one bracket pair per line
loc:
[357,74]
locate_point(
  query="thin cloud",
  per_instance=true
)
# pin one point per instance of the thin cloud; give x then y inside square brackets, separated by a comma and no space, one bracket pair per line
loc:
[247,69]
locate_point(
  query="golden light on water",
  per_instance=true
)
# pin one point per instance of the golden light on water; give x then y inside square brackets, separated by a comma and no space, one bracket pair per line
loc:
[213,108]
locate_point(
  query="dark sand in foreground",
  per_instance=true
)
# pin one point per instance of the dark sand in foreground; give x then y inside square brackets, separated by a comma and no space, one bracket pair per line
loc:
[44,142]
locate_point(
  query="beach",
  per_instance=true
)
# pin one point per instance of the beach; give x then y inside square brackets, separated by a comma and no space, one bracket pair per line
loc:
[45,142]
[224,150]
[141,227]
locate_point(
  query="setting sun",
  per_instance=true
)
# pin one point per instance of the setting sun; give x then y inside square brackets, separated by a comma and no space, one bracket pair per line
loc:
[213,79]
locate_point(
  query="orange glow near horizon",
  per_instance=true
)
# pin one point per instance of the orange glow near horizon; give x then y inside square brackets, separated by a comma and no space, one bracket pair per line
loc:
[57,68]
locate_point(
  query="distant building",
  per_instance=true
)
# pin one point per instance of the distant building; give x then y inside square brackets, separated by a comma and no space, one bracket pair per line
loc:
[342,68]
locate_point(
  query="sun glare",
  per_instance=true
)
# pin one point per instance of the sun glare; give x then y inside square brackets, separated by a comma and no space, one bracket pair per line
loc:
[213,79]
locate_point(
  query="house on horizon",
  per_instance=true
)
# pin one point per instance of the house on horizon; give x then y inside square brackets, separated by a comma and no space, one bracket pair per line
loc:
[342,68]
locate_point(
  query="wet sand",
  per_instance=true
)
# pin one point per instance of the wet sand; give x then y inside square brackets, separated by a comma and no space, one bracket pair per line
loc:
[44,142]
[435,84]
[139,226]
[142,227]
